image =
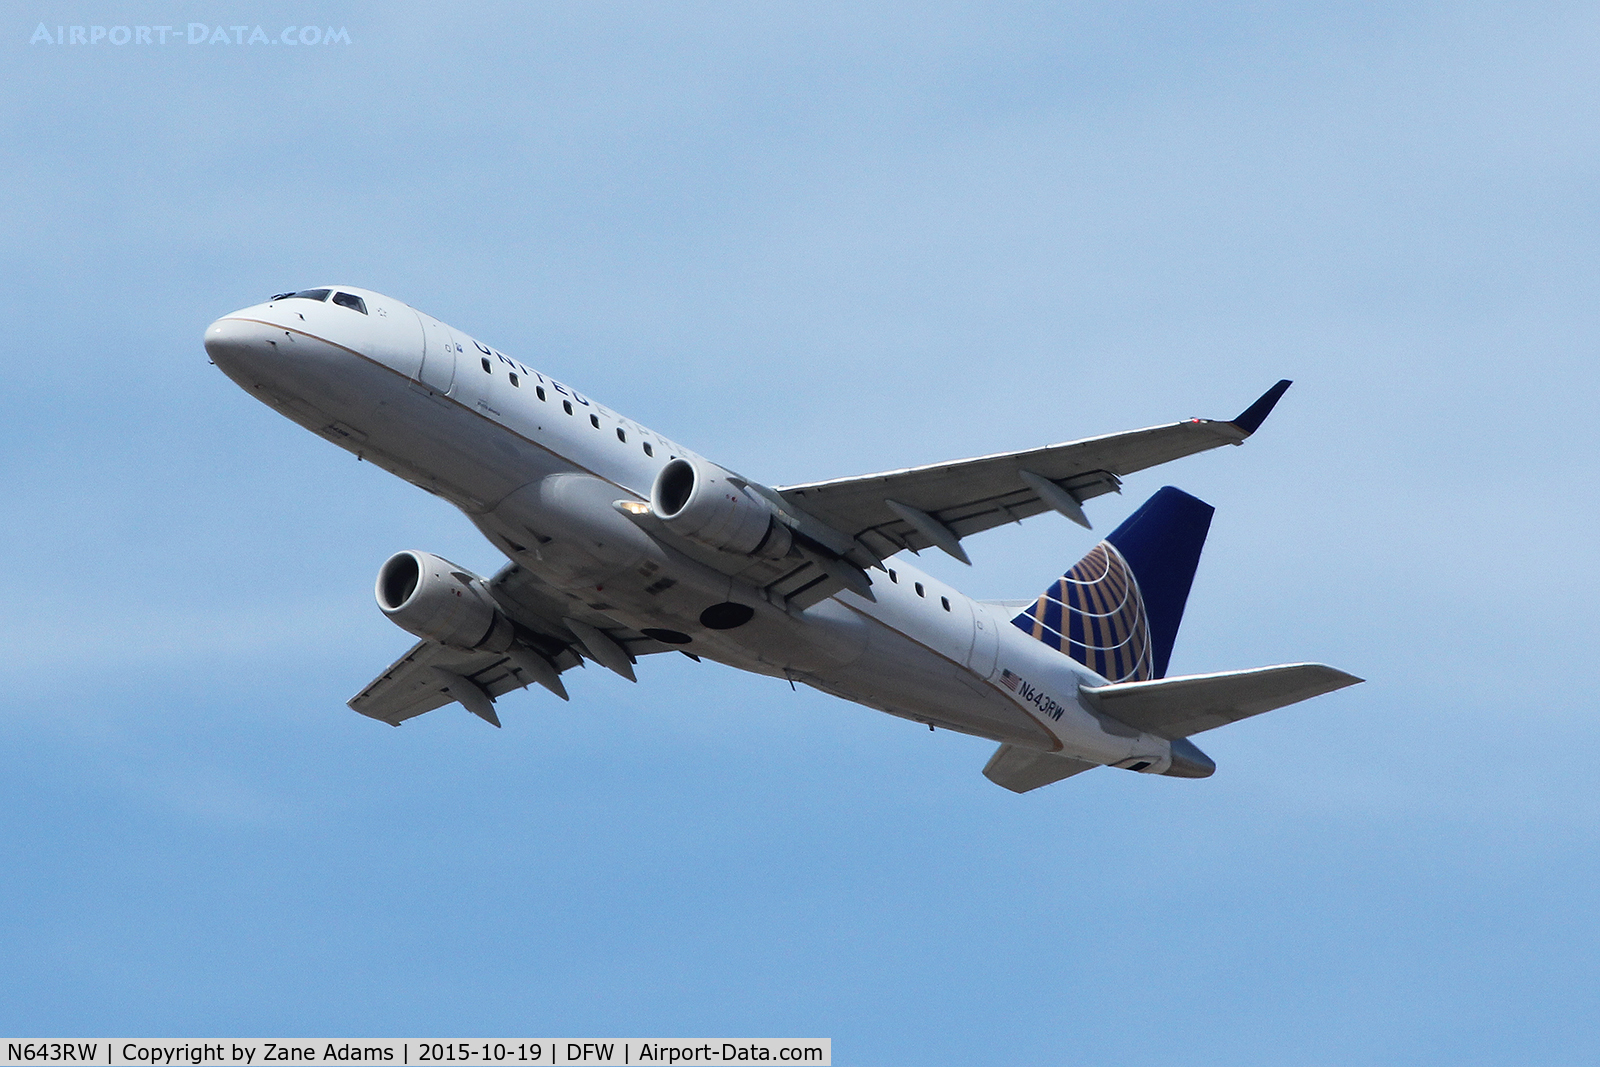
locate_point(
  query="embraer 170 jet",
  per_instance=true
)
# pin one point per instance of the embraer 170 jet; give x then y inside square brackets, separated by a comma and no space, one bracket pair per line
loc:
[624,543]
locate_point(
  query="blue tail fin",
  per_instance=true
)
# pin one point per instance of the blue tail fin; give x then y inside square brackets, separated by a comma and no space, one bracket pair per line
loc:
[1117,612]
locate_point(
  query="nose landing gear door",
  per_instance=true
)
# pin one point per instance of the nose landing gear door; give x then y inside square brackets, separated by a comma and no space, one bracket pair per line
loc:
[438,355]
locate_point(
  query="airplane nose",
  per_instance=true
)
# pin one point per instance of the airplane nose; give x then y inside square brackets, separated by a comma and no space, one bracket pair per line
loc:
[222,337]
[238,346]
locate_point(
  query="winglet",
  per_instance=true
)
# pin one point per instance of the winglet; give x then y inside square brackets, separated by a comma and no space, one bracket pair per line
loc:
[1252,417]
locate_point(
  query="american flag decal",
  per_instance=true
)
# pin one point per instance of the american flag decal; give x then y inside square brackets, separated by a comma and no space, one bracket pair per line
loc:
[1009,680]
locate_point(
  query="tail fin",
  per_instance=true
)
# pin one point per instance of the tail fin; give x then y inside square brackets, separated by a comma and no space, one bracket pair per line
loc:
[1117,612]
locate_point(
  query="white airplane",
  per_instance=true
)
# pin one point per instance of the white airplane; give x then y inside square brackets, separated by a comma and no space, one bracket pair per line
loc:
[623,543]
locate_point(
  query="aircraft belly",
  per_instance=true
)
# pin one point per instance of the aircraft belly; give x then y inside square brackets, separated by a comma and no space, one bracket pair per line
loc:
[777,643]
[564,531]
[902,677]
[562,526]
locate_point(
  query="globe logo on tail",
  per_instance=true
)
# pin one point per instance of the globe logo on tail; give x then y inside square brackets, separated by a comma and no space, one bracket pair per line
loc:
[1094,614]
[1117,612]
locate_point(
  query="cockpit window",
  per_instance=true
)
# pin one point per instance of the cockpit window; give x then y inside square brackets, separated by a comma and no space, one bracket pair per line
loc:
[307,294]
[351,301]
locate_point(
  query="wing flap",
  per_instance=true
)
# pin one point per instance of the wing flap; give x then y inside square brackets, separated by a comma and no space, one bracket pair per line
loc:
[413,685]
[1191,704]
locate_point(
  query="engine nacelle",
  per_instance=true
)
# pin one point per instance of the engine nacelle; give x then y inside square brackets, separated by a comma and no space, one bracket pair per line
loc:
[711,506]
[438,601]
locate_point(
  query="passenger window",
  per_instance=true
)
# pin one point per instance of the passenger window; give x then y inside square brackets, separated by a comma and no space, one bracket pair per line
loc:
[594,420]
[893,577]
[648,450]
[919,589]
[566,405]
[621,436]
[538,391]
[946,602]
[514,380]
[351,301]
[485,363]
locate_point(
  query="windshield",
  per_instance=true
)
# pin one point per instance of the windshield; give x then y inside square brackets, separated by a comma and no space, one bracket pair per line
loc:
[305,294]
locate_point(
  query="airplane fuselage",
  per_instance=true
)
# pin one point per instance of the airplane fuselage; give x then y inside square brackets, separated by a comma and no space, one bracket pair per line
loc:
[546,472]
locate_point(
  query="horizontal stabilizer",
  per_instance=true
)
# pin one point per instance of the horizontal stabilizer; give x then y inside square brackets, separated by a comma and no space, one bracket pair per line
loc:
[1020,768]
[1192,703]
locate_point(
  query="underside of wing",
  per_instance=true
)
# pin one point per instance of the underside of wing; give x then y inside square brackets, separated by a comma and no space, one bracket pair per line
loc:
[937,505]
[423,678]
[1190,704]
[551,637]
[544,616]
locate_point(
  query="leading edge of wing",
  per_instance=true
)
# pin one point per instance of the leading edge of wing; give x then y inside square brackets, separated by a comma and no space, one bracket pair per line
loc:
[1232,431]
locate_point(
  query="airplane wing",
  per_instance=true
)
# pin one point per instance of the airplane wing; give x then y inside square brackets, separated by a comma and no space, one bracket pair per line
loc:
[939,504]
[422,680]
[1189,704]
[432,675]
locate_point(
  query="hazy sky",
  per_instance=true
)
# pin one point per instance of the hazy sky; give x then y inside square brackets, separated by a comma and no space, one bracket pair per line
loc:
[813,241]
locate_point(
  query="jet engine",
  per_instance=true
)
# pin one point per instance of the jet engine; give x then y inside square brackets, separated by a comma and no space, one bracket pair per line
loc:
[716,508]
[438,601]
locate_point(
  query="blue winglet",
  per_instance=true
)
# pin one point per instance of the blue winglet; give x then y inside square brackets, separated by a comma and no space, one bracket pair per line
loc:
[1252,417]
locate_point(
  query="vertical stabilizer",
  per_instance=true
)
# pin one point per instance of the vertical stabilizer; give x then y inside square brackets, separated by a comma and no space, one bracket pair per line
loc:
[1117,611]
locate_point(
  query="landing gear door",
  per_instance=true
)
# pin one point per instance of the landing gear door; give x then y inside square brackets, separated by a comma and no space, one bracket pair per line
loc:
[438,355]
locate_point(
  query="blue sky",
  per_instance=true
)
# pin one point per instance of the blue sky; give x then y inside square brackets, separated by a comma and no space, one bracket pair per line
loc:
[813,241]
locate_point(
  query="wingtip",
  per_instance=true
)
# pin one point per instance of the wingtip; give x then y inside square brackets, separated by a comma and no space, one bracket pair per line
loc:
[1340,679]
[1252,417]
